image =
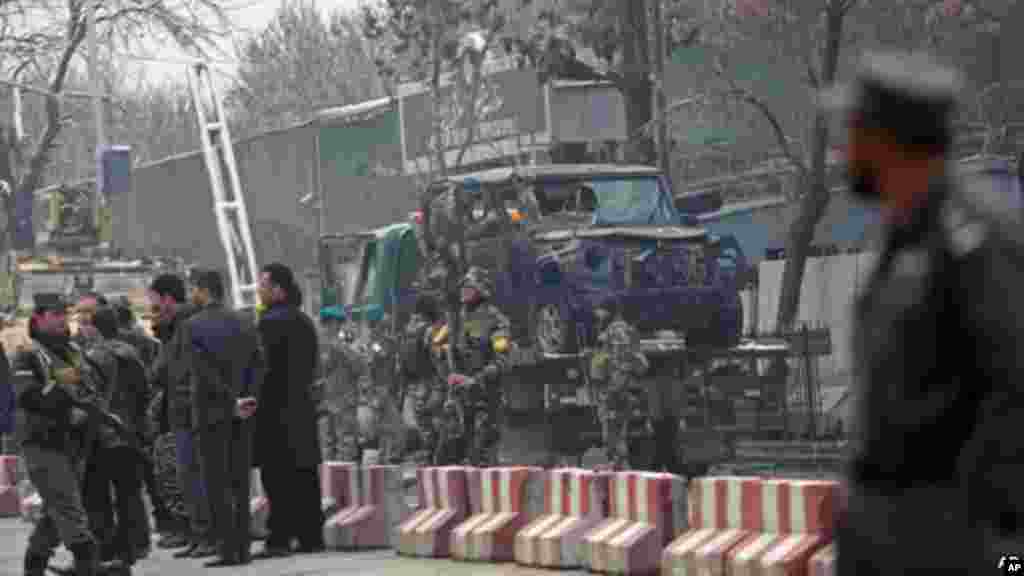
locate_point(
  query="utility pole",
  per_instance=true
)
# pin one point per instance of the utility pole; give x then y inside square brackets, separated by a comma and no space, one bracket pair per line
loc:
[96,87]
[660,103]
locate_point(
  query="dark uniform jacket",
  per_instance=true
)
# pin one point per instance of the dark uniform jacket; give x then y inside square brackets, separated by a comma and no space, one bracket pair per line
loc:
[43,416]
[286,430]
[123,390]
[170,373]
[223,353]
[147,347]
[938,347]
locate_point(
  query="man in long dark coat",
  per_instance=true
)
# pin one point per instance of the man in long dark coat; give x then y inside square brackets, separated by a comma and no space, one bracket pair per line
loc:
[286,428]
[936,472]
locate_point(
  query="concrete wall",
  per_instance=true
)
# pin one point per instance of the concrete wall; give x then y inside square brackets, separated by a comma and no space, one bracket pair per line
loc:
[827,295]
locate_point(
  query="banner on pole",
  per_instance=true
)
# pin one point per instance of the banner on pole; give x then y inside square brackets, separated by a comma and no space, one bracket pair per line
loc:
[115,170]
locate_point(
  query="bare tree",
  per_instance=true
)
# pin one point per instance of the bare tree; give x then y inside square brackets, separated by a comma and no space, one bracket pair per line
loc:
[302,63]
[49,50]
[443,44]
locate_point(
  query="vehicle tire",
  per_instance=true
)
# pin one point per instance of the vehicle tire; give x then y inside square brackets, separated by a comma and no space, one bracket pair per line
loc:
[554,333]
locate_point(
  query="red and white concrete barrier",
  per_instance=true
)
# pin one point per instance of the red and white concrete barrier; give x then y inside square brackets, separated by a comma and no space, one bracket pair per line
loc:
[369,518]
[498,502]
[259,506]
[795,516]
[722,512]
[443,505]
[574,502]
[645,512]
[823,562]
[10,503]
[333,489]
[750,526]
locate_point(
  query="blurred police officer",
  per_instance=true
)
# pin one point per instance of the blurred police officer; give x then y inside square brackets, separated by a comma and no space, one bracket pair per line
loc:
[937,340]
[46,375]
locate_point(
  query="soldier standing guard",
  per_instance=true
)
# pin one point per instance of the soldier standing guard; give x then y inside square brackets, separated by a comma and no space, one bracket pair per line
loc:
[623,403]
[342,368]
[421,373]
[480,364]
[936,469]
[50,382]
[378,387]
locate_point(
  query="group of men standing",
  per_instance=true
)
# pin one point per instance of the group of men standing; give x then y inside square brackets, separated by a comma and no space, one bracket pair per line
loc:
[111,409]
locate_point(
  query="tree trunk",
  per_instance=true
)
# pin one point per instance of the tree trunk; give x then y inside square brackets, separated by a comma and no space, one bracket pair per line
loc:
[816,193]
[636,81]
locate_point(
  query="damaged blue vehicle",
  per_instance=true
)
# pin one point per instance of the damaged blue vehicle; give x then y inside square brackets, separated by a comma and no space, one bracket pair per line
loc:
[566,240]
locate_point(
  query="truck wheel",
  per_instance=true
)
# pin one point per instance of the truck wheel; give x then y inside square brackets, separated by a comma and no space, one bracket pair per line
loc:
[555,334]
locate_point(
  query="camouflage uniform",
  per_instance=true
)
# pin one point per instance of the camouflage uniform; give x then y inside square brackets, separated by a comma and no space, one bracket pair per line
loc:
[482,360]
[340,426]
[623,403]
[379,392]
[421,376]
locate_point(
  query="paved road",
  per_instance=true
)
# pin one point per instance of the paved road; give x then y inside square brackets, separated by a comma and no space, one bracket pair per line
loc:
[13,534]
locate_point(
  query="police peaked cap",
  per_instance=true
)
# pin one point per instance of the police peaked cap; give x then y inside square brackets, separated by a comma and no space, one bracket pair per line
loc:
[910,95]
[47,301]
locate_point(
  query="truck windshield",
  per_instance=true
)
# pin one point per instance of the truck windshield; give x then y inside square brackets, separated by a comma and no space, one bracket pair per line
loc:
[633,201]
[610,201]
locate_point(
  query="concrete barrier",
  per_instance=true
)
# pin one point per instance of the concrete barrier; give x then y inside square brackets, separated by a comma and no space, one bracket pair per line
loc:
[498,500]
[10,502]
[574,502]
[443,505]
[796,515]
[716,523]
[332,490]
[749,525]
[369,518]
[259,506]
[823,562]
[646,511]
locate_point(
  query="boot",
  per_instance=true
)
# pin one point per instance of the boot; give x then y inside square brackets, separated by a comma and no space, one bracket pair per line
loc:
[35,565]
[86,557]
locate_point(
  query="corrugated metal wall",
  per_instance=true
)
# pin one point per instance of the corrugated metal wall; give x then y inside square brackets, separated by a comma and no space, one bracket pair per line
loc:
[170,212]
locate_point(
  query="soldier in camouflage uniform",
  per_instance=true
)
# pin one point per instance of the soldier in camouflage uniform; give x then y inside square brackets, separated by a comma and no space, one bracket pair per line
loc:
[480,362]
[421,373]
[378,388]
[339,429]
[623,402]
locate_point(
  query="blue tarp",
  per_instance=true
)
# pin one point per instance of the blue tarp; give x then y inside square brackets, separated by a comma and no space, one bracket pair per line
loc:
[756,234]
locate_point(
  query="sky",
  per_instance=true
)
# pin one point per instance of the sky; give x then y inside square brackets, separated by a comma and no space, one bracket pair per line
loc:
[248,15]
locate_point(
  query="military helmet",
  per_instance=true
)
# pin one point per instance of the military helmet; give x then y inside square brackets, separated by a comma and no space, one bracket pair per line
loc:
[621,334]
[478,278]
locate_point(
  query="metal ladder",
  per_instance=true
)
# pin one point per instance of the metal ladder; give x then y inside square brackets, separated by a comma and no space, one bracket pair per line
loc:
[228,200]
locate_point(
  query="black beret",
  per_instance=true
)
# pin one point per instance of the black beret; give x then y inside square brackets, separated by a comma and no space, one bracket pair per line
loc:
[911,95]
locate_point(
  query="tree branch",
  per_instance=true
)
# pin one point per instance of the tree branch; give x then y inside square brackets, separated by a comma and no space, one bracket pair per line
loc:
[40,156]
[773,121]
